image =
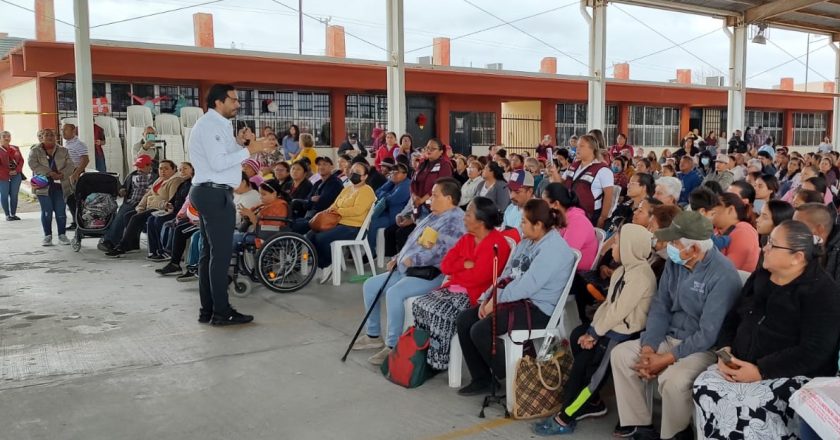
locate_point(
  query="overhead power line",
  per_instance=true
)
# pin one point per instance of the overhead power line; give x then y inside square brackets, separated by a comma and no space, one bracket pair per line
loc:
[33,11]
[671,47]
[793,58]
[321,21]
[527,33]
[156,13]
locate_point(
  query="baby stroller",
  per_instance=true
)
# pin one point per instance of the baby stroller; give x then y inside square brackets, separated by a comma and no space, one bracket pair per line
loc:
[281,260]
[96,195]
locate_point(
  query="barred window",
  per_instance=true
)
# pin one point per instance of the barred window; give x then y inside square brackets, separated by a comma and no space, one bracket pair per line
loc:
[279,109]
[571,121]
[771,123]
[809,129]
[482,128]
[654,126]
[365,112]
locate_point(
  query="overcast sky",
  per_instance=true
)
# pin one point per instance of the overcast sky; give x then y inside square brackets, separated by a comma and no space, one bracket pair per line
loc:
[266,25]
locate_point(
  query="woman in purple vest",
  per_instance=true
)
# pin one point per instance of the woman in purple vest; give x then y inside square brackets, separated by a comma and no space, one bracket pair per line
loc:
[592,180]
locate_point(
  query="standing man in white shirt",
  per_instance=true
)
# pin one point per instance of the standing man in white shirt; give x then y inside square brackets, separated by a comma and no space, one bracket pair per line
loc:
[217,157]
[80,158]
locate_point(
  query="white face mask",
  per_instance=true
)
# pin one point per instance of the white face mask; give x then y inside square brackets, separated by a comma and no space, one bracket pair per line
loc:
[663,253]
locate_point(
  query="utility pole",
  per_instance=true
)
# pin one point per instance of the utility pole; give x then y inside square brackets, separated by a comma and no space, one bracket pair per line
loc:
[300,27]
[807,60]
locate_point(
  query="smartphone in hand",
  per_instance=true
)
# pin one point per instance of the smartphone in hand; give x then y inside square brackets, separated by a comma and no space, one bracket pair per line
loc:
[726,358]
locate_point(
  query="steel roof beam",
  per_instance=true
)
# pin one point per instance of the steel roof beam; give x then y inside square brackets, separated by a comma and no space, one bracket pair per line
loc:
[776,8]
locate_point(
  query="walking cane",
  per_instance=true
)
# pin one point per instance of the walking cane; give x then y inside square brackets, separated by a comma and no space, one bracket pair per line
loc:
[493,397]
[370,310]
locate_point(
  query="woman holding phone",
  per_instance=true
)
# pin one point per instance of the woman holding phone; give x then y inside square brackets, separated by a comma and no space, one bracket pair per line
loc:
[782,331]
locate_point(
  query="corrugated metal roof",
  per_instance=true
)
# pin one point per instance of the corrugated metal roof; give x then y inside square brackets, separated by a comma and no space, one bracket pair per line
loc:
[817,16]
[7,44]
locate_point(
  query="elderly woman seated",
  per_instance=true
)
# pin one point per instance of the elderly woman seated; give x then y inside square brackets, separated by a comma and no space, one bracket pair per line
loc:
[782,331]
[414,271]
[469,272]
[352,204]
[531,284]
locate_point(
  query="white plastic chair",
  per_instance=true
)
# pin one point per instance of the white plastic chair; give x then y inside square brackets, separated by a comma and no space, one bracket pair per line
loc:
[113,146]
[138,118]
[514,339]
[601,235]
[189,115]
[357,245]
[167,124]
[616,196]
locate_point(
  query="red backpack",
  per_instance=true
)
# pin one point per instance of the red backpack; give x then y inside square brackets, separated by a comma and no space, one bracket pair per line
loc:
[406,364]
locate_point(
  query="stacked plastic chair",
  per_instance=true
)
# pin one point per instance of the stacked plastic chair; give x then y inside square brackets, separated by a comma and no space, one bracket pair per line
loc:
[139,117]
[113,147]
[188,117]
[168,128]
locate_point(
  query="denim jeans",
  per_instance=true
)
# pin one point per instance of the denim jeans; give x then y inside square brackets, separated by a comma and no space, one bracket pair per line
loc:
[196,246]
[100,162]
[53,203]
[154,226]
[322,241]
[399,288]
[9,190]
[115,230]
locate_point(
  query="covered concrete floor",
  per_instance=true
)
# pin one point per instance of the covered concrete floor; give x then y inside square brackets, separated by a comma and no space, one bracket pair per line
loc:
[95,348]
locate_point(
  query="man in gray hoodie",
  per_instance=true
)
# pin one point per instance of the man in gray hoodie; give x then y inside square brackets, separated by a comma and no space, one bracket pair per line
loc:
[696,291]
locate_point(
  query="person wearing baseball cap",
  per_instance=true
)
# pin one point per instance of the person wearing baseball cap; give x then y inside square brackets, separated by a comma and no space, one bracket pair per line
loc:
[722,173]
[696,291]
[521,187]
[133,189]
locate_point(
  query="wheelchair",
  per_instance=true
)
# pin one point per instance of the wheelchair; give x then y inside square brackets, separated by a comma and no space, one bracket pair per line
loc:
[281,260]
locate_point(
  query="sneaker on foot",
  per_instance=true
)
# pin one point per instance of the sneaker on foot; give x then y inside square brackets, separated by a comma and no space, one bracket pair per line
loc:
[63,239]
[325,274]
[380,357]
[105,246]
[14,217]
[232,318]
[590,409]
[475,388]
[156,257]
[47,241]
[366,343]
[9,218]
[169,269]
[187,277]
[628,431]
[115,253]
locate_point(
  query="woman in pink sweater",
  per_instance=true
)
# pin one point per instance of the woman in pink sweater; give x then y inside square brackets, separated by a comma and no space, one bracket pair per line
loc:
[736,238]
[575,227]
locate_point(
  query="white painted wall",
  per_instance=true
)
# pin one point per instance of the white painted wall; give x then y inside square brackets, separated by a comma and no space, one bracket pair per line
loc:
[24,127]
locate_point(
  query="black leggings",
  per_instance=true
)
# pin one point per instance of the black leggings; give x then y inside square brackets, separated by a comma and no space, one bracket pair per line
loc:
[475,337]
[180,234]
[395,238]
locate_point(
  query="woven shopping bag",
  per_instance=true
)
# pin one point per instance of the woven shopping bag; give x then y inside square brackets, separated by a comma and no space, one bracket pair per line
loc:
[538,384]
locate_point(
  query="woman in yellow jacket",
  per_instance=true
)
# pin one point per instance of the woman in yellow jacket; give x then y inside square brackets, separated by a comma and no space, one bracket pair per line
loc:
[307,149]
[352,204]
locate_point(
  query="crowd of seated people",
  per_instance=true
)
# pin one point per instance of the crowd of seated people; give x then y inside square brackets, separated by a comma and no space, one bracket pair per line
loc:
[655,300]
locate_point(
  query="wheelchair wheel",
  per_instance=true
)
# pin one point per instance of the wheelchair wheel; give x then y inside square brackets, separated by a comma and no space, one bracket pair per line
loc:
[241,287]
[286,262]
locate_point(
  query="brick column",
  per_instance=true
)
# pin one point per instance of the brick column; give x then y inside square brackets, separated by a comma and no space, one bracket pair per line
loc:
[338,109]
[621,71]
[44,21]
[786,84]
[335,42]
[684,76]
[685,117]
[203,30]
[548,119]
[548,65]
[440,52]
[624,119]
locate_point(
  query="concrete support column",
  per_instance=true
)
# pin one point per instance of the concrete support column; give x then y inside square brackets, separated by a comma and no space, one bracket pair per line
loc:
[47,102]
[685,120]
[396,66]
[835,114]
[84,74]
[597,104]
[338,110]
[737,99]
[787,130]
[203,30]
[548,118]
[44,20]
[442,119]
[623,120]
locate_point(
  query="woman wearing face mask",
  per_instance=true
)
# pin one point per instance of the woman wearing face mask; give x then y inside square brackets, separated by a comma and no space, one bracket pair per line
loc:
[620,178]
[735,236]
[707,164]
[352,204]
[473,184]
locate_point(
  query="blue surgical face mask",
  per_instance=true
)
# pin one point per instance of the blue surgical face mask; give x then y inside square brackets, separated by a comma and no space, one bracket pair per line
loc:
[616,170]
[705,161]
[674,255]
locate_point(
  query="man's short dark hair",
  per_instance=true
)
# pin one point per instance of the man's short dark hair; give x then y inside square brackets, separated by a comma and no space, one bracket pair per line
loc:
[703,198]
[451,188]
[501,152]
[219,92]
[745,190]
[764,154]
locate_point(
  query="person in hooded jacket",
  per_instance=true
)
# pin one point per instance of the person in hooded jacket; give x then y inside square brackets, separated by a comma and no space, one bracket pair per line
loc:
[619,318]
[782,331]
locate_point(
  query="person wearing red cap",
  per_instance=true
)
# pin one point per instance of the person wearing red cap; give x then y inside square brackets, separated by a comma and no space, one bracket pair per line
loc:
[132,190]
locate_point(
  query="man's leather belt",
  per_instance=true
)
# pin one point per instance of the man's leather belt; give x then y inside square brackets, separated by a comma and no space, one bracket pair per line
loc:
[215,185]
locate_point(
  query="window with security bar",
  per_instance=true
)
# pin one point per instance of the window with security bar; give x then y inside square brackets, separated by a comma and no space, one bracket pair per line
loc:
[654,126]
[771,123]
[482,128]
[571,121]
[310,111]
[363,113]
[809,129]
